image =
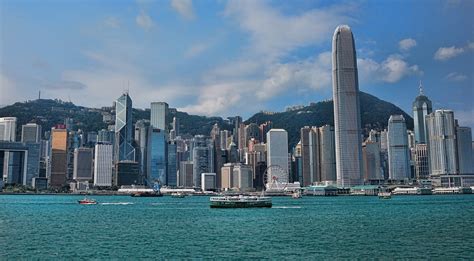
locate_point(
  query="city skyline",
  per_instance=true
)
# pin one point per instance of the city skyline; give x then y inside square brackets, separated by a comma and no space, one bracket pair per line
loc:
[235,66]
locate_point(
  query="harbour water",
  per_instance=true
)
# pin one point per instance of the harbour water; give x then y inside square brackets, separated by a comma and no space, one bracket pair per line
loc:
[121,227]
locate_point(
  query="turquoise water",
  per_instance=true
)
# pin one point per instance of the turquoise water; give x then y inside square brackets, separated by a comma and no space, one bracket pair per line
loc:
[48,227]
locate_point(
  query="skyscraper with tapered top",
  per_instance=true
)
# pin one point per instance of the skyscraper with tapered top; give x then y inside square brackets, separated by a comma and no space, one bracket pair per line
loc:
[346,108]
[124,149]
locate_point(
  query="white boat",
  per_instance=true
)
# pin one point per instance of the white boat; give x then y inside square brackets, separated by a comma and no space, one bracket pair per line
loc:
[178,195]
[241,202]
[296,194]
[385,195]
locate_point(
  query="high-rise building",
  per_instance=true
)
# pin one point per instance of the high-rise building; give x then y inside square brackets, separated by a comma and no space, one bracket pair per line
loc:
[227,174]
[398,157]
[172,164]
[277,156]
[185,175]
[176,127]
[31,132]
[8,129]
[143,133]
[103,164]
[124,149]
[59,157]
[158,159]
[224,136]
[441,143]
[346,108]
[464,150]
[202,158]
[208,182]
[421,108]
[252,131]
[127,173]
[242,177]
[158,113]
[371,162]
[105,136]
[83,164]
[310,156]
[422,168]
[327,153]
[19,162]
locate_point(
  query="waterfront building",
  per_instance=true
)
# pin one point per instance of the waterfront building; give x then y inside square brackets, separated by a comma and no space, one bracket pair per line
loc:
[143,133]
[185,174]
[19,162]
[83,164]
[31,132]
[327,154]
[208,182]
[371,162]
[227,173]
[159,157]
[422,168]
[421,108]
[127,173]
[398,157]
[172,164]
[242,177]
[346,108]
[103,164]
[124,150]
[310,156]
[441,143]
[203,160]
[59,157]
[464,150]
[277,155]
[8,129]
[158,113]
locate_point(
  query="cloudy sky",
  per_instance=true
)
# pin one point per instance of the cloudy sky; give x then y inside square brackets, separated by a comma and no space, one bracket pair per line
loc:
[233,57]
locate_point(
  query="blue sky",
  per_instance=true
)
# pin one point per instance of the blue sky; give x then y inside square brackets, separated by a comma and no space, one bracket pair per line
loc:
[234,57]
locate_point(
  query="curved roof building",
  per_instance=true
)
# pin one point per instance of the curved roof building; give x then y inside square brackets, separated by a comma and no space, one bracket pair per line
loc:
[347,124]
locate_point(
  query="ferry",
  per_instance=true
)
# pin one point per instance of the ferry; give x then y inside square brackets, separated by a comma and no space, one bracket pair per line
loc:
[87,201]
[385,195]
[241,202]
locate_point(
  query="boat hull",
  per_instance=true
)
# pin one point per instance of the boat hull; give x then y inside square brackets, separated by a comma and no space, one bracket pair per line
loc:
[145,195]
[241,204]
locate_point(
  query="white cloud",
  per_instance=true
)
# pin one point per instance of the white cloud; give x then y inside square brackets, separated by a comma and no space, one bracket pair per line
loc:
[456,77]
[274,34]
[391,70]
[112,22]
[144,20]
[184,8]
[446,53]
[406,44]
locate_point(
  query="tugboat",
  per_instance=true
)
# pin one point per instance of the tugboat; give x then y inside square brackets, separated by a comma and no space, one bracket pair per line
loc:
[241,201]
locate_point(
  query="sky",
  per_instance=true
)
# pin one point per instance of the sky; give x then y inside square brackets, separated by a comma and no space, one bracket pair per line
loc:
[226,58]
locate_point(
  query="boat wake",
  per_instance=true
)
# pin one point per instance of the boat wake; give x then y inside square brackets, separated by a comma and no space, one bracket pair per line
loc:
[117,203]
[285,207]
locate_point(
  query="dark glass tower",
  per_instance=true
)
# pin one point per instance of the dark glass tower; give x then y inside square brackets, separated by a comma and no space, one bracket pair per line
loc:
[124,149]
[421,108]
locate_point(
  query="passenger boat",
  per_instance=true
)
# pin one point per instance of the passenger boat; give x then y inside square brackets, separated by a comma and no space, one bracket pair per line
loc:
[296,194]
[241,202]
[87,201]
[178,195]
[385,195]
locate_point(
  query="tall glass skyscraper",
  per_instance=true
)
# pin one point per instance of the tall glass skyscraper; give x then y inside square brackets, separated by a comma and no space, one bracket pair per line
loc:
[346,108]
[158,113]
[124,149]
[397,141]
[159,156]
[421,108]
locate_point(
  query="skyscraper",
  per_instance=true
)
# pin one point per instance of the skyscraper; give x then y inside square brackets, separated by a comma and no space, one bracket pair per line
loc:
[202,158]
[8,129]
[464,150]
[83,164]
[277,155]
[158,113]
[327,153]
[310,155]
[31,132]
[442,143]
[346,108]
[421,108]
[397,141]
[103,163]
[59,159]
[159,156]
[124,149]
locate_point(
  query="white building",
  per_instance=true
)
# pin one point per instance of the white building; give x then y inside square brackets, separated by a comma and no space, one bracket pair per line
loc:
[242,177]
[8,129]
[208,181]
[442,143]
[277,155]
[398,153]
[103,165]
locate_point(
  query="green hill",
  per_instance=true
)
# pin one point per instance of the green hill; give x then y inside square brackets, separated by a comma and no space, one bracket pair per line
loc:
[375,114]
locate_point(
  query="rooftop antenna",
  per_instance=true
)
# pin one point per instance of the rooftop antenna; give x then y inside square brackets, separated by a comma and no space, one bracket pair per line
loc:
[421,88]
[39,95]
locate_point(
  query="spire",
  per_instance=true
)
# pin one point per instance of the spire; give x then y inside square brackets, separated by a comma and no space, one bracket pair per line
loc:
[421,88]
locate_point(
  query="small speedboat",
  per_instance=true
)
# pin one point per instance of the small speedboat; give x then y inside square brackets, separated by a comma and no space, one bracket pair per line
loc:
[87,201]
[178,195]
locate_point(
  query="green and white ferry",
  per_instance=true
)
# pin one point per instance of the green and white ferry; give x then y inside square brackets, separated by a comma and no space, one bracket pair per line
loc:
[241,201]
